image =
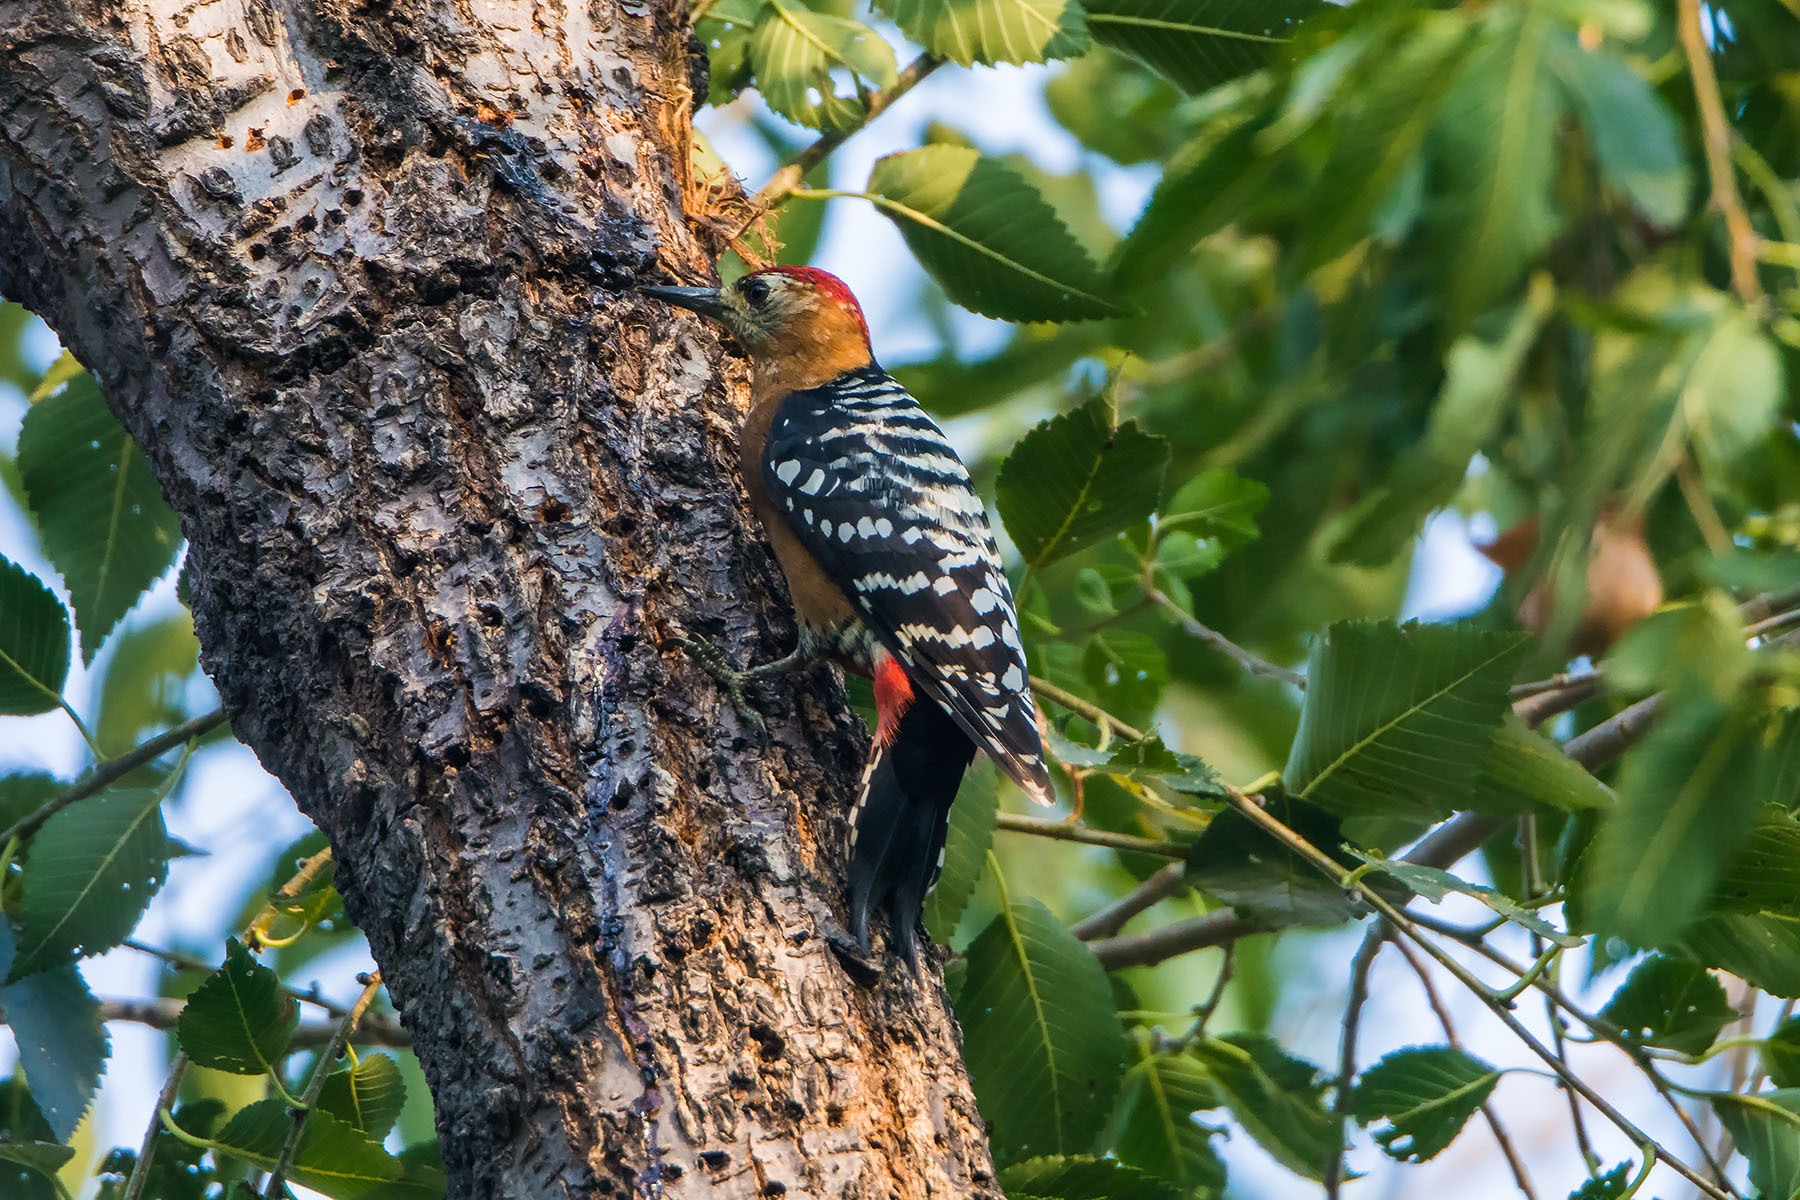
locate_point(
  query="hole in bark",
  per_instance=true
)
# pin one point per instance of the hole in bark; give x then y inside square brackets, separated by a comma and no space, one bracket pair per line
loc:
[353,197]
[623,525]
[297,95]
[334,216]
[237,423]
[226,141]
[714,1160]
[774,1188]
[254,139]
[553,510]
[457,756]
[308,223]
[770,1045]
[258,252]
[834,1115]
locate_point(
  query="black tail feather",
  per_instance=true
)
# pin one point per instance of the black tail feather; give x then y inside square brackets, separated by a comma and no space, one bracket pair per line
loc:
[898,827]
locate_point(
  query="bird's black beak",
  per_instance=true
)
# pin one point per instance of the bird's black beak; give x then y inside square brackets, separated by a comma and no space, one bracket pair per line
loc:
[705,301]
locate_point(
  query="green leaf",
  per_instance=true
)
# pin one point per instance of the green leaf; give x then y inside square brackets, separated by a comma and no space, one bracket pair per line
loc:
[1434,885]
[25,793]
[794,51]
[1494,150]
[1677,362]
[1528,772]
[61,1040]
[1237,862]
[1212,182]
[1126,672]
[333,1157]
[988,237]
[93,869]
[178,1171]
[1781,1054]
[1425,1094]
[1479,380]
[1276,1098]
[1770,1141]
[1078,479]
[1673,1003]
[20,1121]
[1083,1177]
[1216,504]
[1764,875]
[1398,720]
[1153,1127]
[1762,949]
[1635,138]
[43,1159]
[1681,816]
[1695,647]
[34,643]
[1040,1034]
[1198,44]
[239,1020]
[965,850]
[146,681]
[993,31]
[368,1096]
[99,511]
[1608,1185]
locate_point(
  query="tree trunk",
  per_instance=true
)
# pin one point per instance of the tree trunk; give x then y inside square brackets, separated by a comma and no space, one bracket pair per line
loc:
[356,274]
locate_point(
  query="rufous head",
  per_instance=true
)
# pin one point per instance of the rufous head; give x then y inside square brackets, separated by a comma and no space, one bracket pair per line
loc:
[784,313]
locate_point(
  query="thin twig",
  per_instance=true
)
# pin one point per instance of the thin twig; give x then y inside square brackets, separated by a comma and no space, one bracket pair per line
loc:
[111,771]
[1360,968]
[1071,831]
[1500,1007]
[1521,1177]
[309,1098]
[1716,136]
[1252,662]
[1084,708]
[1168,882]
[162,1012]
[1534,886]
[165,1099]
[1608,1032]
[186,962]
[789,176]
[140,1171]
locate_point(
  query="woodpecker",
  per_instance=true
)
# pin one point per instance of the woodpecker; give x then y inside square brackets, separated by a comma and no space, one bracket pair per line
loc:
[892,568]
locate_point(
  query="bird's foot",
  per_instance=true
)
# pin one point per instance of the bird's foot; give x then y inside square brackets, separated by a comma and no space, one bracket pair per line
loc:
[734,680]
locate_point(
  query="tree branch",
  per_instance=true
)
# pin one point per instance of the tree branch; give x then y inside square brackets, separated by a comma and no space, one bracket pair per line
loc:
[1254,663]
[275,1189]
[1716,137]
[789,176]
[1360,968]
[1502,1139]
[1072,831]
[105,774]
[162,1012]
[1168,882]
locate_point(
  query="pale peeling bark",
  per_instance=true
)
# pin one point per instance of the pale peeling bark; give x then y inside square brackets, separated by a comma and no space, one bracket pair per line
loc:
[357,277]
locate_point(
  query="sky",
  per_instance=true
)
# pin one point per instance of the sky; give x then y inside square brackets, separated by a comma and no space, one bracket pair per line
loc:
[243,814]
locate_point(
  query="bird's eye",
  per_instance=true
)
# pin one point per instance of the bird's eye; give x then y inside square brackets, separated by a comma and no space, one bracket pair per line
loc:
[755,290]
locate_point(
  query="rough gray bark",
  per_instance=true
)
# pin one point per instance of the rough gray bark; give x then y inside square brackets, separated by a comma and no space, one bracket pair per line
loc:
[356,275]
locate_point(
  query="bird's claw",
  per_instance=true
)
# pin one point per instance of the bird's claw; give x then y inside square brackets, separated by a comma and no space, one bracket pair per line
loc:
[712,660]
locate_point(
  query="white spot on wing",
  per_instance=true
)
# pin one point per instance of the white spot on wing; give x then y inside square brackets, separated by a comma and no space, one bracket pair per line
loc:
[814,482]
[787,470]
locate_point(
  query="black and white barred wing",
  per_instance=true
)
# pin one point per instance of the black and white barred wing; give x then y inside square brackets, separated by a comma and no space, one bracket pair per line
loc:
[876,493]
